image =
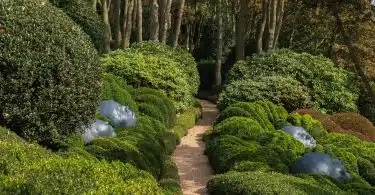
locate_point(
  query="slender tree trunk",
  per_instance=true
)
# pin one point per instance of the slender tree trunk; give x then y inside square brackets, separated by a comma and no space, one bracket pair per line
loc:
[117,27]
[279,23]
[125,16]
[154,32]
[162,19]
[94,2]
[219,50]
[262,26]
[166,16]
[129,21]
[240,31]
[169,15]
[107,27]
[134,17]
[272,25]
[187,37]
[178,23]
[354,54]
[140,23]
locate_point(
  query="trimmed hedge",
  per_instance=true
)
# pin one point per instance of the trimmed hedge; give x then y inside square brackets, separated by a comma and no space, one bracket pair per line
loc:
[170,181]
[267,184]
[331,89]
[185,121]
[81,12]
[157,66]
[312,126]
[50,77]
[278,89]
[245,128]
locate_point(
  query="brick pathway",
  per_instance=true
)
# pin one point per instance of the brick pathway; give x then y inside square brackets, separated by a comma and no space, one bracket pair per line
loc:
[193,166]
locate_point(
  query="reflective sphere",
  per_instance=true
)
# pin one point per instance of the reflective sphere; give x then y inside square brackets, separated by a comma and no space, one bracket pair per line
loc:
[98,128]
[301,134]
[321,163]
[119,115]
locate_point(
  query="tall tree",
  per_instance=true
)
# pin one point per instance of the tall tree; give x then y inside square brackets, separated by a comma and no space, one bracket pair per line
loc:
[165,24]
[139,24]
[279,22]
[154,26]
[107,26]
[219,49]
[117,26]
[272,23]
[162,20]
[240,30]
[128,28]
[262,26]
[177,32]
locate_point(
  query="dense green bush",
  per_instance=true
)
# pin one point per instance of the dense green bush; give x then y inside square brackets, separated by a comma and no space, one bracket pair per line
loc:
[114,89]
[206,70]
[278,89]
[312,126]
[50,77]
[153,111]
[170,181]
[267,184]
[331,89]
[151,65]
[230,112]
[186,121]
[81,12]
[249,166]
[241,127]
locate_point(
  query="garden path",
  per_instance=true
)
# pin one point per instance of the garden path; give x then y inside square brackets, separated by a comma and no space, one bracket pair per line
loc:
[193,166]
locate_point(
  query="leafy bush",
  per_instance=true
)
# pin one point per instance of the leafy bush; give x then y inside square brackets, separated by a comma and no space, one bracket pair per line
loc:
[186,121]
[312,126]
[50,77]
[169,104]
[230,112]
[206,70]
[153,111]
[114,89]
[81,12]
[248,166]
[159,67]
[331,89]
[245,128]
[170,181]
[267,183]
[160,104]
[277,89]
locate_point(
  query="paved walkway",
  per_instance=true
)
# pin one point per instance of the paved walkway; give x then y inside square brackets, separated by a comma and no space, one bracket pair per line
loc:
[193,166]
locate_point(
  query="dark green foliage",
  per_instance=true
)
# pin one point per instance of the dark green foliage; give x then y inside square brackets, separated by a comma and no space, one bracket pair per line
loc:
[159,67]
[230,112]
[170,181]
[153,111]
[206,70]
[82,13]
[50,77]
[162,106]
[249,166]
[367,170]
[277,89]
[171,140]
[168,102]
[330,88]
[241,127]
[312,126]
[114,89]
[267,184]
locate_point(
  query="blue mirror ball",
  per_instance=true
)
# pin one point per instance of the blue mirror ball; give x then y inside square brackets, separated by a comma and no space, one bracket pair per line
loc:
[98,128]
[119,115]
[300,134]
[321,163]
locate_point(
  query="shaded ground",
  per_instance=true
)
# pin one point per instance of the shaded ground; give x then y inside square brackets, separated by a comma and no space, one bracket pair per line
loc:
[193,166]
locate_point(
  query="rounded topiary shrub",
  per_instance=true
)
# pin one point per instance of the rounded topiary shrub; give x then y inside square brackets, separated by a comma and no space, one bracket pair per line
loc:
[156,71]
[230,112]
[278,89]
[158,102]
[153,111]
[49,72]
[82,13]
[242,127]
[331,89]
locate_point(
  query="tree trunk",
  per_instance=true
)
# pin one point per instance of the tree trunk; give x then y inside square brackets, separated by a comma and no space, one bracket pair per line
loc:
[272,25]
[187,37]
[107,27]
[165,18]
[134,17]
[139,24]
[178,23]
[162,19]
[354,54]
[125,16]
[117,27]
[94,2]
[219,52]
[279,23]
[240,31]
[154,31]
[169,15]
[128,29]
[262,26]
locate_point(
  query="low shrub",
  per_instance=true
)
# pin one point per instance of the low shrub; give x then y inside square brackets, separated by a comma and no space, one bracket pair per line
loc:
[331,89]
[159,103]
[256,112]
[249,166]
[81,12]
[50,77]
[186,121]
[170,181]
[231,112]
[242,127]
[149,65]
[267,183]
[153,111]
[114,89]
[277,89]
[312,126]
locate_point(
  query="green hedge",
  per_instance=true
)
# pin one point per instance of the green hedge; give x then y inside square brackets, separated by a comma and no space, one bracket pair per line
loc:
[278,89]
[241,127]
[50,77]
[159,67]
[185,121]
[330,88]
[82,13]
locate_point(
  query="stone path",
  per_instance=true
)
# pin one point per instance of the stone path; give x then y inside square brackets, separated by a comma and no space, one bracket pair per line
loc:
[193,166]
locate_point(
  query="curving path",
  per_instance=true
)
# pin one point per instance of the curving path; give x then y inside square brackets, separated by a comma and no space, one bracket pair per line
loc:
[193,166]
